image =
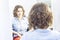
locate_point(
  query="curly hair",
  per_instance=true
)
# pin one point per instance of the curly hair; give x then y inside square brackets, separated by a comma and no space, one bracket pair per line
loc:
[16,9]
[40,16]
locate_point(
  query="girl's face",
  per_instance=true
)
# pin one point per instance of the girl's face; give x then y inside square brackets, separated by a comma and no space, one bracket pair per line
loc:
[19,12]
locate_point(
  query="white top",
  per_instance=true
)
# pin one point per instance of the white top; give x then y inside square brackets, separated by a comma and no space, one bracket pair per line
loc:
[20,26]
[41,34]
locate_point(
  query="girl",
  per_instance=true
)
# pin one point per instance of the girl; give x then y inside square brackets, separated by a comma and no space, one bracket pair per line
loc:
[20,23]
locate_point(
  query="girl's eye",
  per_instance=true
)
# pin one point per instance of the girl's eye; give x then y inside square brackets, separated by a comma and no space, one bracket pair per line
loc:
[19,11]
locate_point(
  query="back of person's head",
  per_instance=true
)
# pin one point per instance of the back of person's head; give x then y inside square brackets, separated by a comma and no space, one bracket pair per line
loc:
[40,16]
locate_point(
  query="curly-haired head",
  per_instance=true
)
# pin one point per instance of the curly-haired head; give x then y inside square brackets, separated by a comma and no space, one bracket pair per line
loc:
[16,9]
[40,16]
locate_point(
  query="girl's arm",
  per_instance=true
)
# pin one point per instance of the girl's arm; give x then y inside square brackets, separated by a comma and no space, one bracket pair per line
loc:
[16,33]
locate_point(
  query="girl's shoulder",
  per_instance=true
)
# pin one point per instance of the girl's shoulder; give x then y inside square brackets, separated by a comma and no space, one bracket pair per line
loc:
[14,20]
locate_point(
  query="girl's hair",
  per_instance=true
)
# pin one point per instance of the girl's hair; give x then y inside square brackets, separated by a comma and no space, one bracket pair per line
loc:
[16,9]
[40,16]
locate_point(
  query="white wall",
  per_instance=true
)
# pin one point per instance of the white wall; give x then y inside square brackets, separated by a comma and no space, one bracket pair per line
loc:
[5,23]
[25,3]
[56,12]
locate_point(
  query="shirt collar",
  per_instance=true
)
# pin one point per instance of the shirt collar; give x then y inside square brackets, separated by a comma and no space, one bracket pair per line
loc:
[19,20]
[42,30]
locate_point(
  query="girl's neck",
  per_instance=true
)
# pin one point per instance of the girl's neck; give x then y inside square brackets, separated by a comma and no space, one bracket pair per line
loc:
[19,18]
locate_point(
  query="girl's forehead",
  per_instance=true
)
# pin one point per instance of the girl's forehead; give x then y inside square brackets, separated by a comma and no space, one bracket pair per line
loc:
[20,9]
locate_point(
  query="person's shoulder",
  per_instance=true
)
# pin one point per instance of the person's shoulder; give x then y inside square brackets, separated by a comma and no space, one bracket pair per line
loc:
[25,19]
[14,20]
[56,34]
[26,36]
[27,33]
